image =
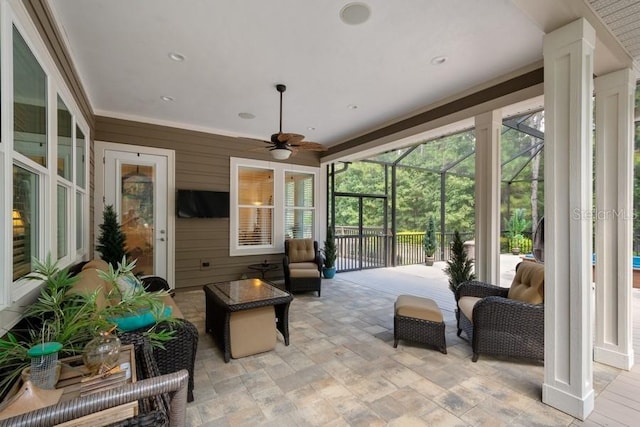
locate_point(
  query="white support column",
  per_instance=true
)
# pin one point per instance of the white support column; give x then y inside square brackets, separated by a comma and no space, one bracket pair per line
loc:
[487,193]
[614,218]
[568,88]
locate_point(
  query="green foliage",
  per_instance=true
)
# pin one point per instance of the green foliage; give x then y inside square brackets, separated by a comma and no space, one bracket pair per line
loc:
[517,225]
[58,315]
[111,242]
[329,249]
[429,242]
[460,267]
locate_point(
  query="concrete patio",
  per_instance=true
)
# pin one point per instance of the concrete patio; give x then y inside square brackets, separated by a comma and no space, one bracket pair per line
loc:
[341,367]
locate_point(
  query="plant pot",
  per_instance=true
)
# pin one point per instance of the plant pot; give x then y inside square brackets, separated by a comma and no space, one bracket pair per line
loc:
[328,272]
[515,250]
[428,260]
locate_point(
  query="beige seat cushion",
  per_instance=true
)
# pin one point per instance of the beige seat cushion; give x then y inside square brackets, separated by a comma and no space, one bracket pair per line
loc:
[301,250]
[252,331]
[304,272]
[98,264]
[528,285]
[418,308]
[466,304]
[89,282]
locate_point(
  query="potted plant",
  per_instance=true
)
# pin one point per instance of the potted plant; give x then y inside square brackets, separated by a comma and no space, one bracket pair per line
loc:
[111,242]
[329,252]
[516,225]
[429,241]
[460,267]
[73,318]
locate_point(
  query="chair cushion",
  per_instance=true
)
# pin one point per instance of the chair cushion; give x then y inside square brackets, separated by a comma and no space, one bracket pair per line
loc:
[418,308]
[301,250]
[88,282]
[528,285]
[98,264]
[466,304]
[304,272]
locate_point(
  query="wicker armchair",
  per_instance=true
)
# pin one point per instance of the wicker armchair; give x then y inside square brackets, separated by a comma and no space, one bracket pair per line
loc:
[498,322]
[302,265]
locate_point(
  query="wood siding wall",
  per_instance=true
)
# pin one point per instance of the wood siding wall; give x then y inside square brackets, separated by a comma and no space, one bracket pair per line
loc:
[202,163]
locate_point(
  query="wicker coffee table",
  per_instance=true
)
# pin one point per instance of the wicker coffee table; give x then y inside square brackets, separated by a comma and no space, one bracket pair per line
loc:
[226,297]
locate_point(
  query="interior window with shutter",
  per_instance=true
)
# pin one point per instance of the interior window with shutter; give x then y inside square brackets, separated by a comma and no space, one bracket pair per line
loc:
[255,206]
[299,212]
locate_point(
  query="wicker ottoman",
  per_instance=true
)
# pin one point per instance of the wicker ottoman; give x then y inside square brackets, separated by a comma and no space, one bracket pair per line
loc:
[418,319]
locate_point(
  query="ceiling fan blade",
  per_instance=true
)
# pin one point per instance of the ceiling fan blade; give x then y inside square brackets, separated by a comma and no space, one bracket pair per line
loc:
[310,146]
[290,138]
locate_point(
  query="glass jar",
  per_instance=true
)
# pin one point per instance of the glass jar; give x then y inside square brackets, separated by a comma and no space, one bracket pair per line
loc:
[101,353]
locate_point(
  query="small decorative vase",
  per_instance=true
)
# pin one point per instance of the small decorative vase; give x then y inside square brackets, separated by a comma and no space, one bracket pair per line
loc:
[101,353]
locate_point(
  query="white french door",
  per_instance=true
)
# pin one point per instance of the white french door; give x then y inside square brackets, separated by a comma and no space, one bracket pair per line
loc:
[139,183]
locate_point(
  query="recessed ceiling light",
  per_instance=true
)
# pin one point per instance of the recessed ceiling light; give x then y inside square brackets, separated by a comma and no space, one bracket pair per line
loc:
[439,60]
[247,116]
[175,56]
[167,98]
[311,128]
[352,107]
[355,13]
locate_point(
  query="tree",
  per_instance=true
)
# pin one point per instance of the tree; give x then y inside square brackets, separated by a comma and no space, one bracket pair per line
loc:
[111,243]
[429,242]
[460,267]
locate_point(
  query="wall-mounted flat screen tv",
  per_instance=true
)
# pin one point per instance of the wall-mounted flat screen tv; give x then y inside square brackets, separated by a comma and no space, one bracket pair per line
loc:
[202,204]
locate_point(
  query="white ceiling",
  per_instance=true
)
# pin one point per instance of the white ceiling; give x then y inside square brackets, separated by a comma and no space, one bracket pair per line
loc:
[236,51]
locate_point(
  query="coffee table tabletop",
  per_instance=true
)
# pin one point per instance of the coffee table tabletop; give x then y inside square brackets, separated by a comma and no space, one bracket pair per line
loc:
[246,291]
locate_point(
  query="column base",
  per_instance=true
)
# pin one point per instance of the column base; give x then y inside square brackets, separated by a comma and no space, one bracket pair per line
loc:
[613,358]
[573,405]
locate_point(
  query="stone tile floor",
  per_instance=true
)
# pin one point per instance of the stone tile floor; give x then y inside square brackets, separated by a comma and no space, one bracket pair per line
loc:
[341,369]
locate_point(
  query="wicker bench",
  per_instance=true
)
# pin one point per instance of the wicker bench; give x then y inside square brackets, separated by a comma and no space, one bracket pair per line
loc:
[418,319]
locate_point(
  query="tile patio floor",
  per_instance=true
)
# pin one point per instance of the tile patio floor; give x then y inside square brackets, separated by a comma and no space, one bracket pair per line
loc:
[341,368]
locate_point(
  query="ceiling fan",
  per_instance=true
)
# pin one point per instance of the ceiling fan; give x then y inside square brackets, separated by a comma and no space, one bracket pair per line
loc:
[285,144]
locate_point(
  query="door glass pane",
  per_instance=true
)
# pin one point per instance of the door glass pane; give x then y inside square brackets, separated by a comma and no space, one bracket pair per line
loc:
[25,220]
[80,158]
[255,206]
[62,221]
[30,102]
[64,141]
[79,220]
[137,213]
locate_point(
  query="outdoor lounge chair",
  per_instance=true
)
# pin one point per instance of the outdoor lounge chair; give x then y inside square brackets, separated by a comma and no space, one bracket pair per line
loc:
[302,265]
[505,322]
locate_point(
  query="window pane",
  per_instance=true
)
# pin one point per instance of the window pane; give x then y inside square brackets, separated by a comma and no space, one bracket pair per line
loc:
[298,223]
[79,220]
[256,225]
[62,221]
[30,102]
[298,189]
[255,202]
[64,141]
[80,158]
[25,220]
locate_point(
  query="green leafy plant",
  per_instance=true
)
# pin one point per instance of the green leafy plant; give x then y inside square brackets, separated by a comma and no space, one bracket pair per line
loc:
[111,242]
[517,225]
[460,267]
[57,315]
[329,249]
[429,242]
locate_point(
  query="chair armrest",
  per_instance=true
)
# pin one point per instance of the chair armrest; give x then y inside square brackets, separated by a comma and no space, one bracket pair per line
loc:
[509,315]
[175,384]
[285,264]
[473,288]
[319,260]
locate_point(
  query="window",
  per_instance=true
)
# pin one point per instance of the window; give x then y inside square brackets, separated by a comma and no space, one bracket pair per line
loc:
[49,202]
[270,202]
[29,103]
[299,205]
[26,191]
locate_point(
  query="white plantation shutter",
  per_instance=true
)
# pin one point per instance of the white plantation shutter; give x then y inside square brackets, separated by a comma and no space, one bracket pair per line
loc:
[255,206]
[299,214]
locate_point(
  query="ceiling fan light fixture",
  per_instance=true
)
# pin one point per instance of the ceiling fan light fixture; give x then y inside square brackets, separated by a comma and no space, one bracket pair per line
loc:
[280,153]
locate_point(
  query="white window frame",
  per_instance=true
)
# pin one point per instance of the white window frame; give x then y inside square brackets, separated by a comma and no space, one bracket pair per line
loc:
[278,234]
[14,296]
